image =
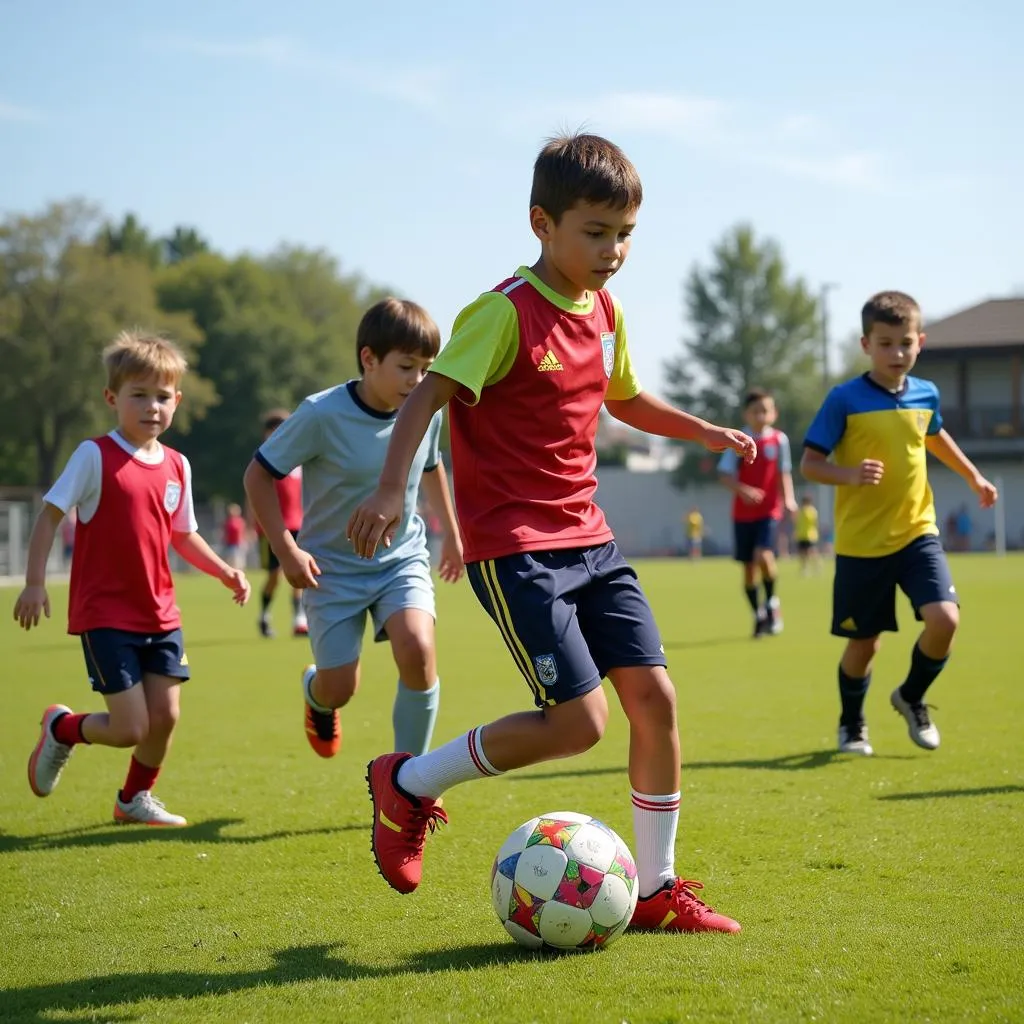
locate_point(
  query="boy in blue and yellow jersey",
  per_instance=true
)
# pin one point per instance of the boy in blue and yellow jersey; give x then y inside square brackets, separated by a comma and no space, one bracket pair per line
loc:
[870,440]
[528,369]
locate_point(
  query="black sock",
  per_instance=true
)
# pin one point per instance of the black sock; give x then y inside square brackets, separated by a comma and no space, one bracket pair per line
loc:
[751,593]
[265,600]
[923,671]
[296,604]
[851,695]
[769,589]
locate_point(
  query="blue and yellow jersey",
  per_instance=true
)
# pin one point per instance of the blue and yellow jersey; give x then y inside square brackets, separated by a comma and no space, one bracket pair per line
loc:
[863,420]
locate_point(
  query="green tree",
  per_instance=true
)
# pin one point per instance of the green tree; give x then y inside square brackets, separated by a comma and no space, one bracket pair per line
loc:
[182,244]
[61,300]
[749,326]
[131,240]
[276,329]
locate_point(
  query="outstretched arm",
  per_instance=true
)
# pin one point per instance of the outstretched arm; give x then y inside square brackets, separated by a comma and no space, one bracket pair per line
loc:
[948,452]
[201,556]
[653,416]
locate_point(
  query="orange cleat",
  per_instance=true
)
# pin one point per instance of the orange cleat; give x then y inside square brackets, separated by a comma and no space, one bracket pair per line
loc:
[323,729]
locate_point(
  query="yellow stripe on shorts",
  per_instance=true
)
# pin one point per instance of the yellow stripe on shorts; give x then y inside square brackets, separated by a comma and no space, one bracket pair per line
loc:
[503,617]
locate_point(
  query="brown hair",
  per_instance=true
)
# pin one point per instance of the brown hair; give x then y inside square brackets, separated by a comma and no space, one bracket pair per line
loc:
[273,419]
[893,308]
[397,325]
[576,167]
[136,355]
[755,395]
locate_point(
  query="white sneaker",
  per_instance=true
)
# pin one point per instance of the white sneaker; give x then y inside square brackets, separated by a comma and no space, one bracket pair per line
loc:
[300,625]
[48,757]
[775,620]
[919,723]
[854,740]
[145,809]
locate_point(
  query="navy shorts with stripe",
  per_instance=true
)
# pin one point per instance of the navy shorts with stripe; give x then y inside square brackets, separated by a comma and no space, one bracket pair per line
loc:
[864,589]
[568,617]
[117,659]
[751,537]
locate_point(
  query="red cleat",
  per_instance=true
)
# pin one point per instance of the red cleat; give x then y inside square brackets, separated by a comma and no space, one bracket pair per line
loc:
[400,823]
[675,908]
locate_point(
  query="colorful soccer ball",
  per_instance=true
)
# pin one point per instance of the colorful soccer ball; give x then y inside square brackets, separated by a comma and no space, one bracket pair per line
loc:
[566,881]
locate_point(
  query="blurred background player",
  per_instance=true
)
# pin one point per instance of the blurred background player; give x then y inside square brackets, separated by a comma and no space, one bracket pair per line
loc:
[234,532]
[869,439]
[805,533]
[289,496]
[694,533]
[762,491]
[134,499]
[339,438]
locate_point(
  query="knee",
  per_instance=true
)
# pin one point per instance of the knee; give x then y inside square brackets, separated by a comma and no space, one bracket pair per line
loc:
[654,702]
[943,620]
[586,728]
[413,653]
[162,720]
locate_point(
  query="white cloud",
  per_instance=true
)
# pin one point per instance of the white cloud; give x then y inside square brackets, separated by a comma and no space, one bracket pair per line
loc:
[419,87]
[14,112]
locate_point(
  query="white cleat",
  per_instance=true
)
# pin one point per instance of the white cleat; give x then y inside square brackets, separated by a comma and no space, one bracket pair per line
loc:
[48,757]
[919,724]
[300,625]
[854,740]
[145,809]
[775,616]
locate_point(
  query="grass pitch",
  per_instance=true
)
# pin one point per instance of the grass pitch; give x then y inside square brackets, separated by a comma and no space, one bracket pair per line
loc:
[886,889]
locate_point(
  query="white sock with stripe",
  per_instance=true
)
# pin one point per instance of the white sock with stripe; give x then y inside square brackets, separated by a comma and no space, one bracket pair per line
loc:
[457,761]
[655,821]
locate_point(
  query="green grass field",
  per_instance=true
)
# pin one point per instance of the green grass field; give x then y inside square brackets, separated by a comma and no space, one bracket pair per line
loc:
[886,889]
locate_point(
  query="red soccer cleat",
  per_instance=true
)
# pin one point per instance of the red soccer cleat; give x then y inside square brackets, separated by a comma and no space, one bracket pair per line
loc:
[400,823]
[675,908]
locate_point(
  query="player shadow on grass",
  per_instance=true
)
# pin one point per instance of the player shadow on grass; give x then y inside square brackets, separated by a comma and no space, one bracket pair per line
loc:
[942,794]
[86,997]
[787,762]
[210,831]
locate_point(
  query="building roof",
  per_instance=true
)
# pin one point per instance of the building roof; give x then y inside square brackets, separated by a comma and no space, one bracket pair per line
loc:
[997,322]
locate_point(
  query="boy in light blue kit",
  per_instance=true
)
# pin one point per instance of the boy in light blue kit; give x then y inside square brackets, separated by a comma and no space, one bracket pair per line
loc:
[340,437]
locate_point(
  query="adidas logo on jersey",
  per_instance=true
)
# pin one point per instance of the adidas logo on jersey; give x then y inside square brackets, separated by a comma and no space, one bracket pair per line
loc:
[549,362]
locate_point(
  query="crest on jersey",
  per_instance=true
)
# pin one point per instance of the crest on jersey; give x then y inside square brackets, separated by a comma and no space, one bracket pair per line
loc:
[172,496]
[547,669]
[608,351]
[770,451]
[922,421]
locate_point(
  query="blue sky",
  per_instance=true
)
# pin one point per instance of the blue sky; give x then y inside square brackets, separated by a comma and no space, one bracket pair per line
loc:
[882,148]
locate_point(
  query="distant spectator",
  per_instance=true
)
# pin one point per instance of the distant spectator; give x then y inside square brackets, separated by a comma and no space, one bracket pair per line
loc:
[234,531]
[695,533]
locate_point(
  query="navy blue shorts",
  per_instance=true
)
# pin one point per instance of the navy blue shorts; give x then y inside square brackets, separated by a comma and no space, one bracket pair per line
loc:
[752,537]
[116,659]
[864,590]
[568,617]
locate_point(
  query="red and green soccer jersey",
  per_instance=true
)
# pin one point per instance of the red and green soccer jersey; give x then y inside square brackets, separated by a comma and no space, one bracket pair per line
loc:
[534,369]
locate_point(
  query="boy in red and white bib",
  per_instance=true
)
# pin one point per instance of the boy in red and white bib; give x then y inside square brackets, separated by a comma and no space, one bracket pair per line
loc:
[133,497]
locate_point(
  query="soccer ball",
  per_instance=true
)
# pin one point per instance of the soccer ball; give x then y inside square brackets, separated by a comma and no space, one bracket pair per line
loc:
[566,881]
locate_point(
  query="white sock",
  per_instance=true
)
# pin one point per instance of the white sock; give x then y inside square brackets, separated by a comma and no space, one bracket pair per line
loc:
[457,761]
[655,820]
[307,682]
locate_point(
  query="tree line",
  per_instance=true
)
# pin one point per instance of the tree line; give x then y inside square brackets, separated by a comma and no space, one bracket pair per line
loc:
[264,331]
[258,332]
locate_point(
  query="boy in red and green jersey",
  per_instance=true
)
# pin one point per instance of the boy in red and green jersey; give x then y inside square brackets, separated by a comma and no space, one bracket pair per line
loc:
[531,363]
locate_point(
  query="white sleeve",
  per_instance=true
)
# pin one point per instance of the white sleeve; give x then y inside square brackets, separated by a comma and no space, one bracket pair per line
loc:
[786,455]
[79,484]
[184,520]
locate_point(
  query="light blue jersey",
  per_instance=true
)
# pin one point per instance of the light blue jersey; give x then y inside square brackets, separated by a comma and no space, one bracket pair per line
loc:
[341,443]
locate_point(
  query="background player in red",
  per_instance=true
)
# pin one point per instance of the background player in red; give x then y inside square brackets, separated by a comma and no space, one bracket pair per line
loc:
[763,490]
[134,499]
[289,496]
[234,532]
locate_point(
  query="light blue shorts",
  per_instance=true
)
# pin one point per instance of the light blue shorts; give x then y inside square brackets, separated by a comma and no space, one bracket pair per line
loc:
[337,609]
